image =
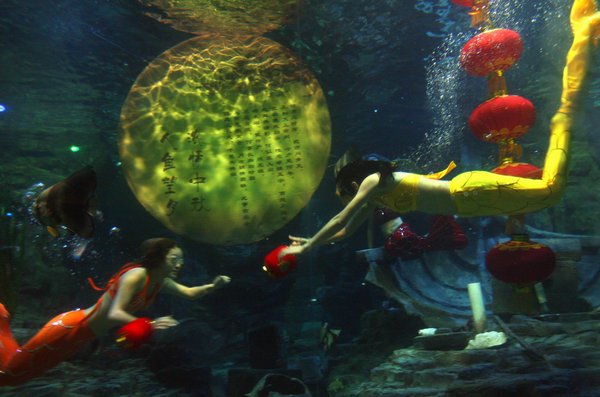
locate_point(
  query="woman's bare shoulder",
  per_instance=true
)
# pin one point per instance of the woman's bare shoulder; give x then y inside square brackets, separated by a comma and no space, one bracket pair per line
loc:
[135,275]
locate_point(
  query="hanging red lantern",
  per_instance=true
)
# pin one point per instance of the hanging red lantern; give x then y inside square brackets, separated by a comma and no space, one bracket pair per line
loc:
[523,170]
[490,51]
[520,261]
[464,3]
[502,118]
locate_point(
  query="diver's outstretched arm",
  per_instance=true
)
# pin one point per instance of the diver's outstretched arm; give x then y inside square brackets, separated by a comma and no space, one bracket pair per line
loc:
[177,289]
[352,212]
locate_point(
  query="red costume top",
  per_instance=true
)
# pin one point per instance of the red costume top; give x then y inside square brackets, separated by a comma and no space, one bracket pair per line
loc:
[140,301]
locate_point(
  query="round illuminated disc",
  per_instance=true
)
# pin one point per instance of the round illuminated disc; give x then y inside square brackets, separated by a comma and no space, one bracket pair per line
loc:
[245,17]
[224,141]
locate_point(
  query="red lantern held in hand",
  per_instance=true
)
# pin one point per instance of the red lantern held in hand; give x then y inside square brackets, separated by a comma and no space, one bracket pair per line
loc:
[520,261]
[274,267]
[491,51]
[135,333]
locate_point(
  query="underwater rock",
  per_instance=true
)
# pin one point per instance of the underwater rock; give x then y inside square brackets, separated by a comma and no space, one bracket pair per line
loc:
[393,326]
[275,385]
[487,339]
[241,381]
[571,358]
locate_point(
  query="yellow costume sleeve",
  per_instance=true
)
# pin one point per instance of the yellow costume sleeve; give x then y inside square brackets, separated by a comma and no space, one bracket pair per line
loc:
[481,193]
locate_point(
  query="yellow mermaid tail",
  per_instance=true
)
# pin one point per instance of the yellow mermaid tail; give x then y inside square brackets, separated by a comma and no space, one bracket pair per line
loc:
[481,193]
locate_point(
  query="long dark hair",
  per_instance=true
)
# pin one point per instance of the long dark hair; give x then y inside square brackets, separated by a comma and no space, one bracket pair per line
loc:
[351,167]
[154,251]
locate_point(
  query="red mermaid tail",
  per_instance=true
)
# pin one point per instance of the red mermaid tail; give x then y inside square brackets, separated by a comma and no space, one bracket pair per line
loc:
[58,340]
[404,243]
[445,234]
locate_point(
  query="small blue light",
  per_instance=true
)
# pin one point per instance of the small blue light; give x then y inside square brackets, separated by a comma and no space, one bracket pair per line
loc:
[375,110]
[9,214]
[2,108]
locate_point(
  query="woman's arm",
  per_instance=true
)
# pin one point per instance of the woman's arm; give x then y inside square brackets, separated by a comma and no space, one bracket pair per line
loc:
[130,284]
[344,223]
[358,219]
[174,288]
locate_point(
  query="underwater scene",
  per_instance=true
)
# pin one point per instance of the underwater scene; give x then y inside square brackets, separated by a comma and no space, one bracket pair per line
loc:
[231,198]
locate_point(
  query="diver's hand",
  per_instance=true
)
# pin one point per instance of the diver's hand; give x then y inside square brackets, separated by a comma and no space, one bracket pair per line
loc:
[220,281]
[294,249]
[164,322]
[298,240]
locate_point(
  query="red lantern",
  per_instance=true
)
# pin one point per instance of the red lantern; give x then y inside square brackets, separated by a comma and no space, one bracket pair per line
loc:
[464,3]
[523,170]
[490,51]
[520,261]
[135,333]
[502,118]
[276,269]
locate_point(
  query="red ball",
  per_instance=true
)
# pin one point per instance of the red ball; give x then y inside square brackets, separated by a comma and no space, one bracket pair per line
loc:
[135,333]
[502,118]
[496,49]
[520,262]
[277,269]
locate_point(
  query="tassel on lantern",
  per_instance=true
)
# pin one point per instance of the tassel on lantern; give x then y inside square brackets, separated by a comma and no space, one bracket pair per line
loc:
[479,11]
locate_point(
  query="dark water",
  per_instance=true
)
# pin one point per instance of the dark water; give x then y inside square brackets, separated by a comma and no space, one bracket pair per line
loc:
[389,71]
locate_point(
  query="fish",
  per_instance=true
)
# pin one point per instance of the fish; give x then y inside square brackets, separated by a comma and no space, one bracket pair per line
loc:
[69,203]
[328,336]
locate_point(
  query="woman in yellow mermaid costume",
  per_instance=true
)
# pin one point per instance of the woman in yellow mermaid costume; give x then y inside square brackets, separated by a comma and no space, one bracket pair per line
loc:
[364,184]
[132,288]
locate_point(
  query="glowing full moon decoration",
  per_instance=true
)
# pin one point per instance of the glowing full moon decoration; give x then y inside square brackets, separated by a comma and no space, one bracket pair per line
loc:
[238,17]
[225,140]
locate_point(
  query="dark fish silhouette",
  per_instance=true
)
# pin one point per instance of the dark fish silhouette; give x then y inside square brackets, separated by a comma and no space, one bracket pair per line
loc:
[69,203]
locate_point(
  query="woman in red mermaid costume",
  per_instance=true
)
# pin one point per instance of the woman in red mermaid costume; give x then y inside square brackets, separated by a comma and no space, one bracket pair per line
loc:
[132,288]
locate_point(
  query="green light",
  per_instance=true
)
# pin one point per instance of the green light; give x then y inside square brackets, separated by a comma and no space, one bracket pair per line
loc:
[75,149]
